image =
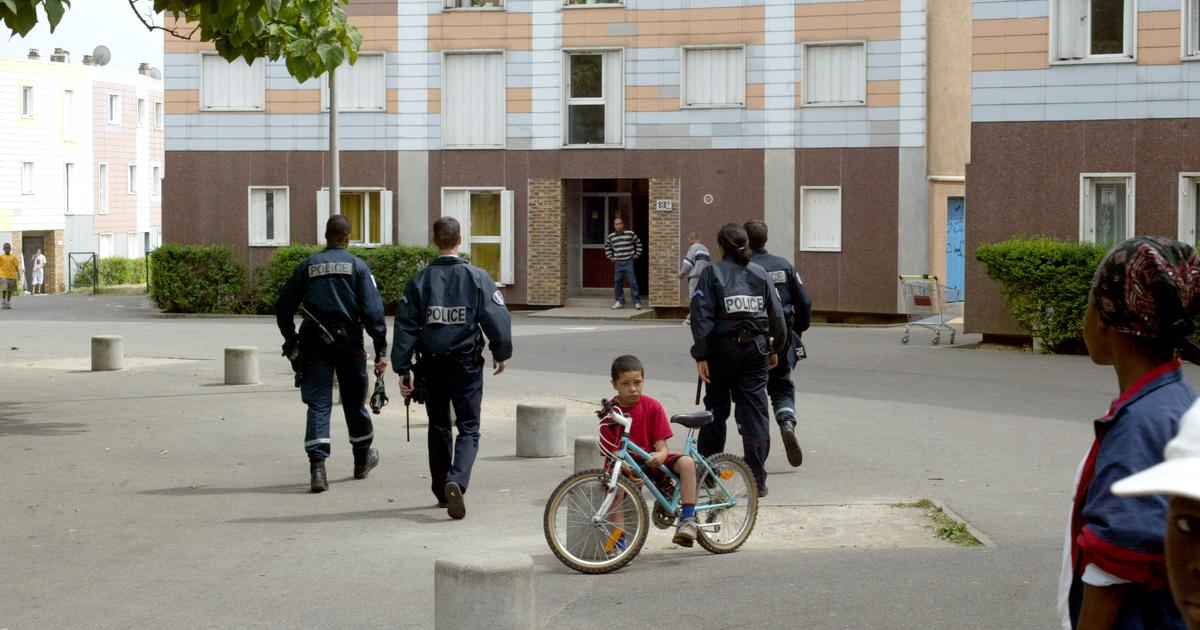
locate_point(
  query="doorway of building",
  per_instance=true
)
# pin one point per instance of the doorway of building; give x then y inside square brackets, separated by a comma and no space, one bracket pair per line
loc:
[29,247]
[600,202]
[956,243]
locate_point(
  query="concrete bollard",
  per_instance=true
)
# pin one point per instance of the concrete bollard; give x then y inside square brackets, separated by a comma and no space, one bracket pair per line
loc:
[587,453]
[541,430]
[108,353]
[484,591]
[241,365]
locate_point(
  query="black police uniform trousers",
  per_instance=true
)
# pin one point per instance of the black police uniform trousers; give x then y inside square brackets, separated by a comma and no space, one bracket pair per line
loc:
[452,379]
[780,386]
[349,362]
[738,374]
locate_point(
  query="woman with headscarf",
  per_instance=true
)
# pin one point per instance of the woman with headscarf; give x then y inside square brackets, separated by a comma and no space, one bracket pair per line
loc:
[738,331]
[1144,300]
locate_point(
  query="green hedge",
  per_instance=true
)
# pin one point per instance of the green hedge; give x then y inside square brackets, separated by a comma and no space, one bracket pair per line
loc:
[196,279]
[1045,284]
[113,271]
[392,266]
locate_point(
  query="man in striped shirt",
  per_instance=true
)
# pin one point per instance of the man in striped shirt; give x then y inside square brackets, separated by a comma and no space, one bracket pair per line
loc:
[623,247]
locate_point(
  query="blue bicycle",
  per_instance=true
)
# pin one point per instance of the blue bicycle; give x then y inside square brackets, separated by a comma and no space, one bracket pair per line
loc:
[596,521]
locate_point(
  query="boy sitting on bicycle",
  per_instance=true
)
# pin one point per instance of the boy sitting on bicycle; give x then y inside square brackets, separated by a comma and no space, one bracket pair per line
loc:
[650,431]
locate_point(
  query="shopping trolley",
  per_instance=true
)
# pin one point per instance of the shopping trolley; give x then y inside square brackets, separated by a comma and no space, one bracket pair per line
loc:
[931,305]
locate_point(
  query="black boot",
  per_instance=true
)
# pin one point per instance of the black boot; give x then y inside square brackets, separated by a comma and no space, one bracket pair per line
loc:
[791,445]
[316,468]
[364,461]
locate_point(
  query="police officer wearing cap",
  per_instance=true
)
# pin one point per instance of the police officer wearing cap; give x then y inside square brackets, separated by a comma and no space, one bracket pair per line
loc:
[337,298]
[797,310]
[738,330]
[446,311]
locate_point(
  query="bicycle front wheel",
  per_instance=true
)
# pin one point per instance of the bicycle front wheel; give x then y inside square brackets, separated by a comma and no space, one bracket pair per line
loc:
[587,540]
[726,529]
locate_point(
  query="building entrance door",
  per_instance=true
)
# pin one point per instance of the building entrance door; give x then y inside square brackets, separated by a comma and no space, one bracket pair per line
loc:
[600,202]
[29,246]
[956,233]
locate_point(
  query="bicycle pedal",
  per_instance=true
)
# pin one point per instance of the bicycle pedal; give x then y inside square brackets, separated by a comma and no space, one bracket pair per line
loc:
[715,526]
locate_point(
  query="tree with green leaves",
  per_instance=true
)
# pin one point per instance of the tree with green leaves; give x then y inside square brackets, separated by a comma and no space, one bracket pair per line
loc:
[311,36]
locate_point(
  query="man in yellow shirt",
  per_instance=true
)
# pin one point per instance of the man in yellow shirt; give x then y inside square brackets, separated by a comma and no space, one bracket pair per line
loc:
[10,267]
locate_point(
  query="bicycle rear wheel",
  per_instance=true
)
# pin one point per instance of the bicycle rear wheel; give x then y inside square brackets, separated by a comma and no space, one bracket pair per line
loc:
[733,524]
[589,544]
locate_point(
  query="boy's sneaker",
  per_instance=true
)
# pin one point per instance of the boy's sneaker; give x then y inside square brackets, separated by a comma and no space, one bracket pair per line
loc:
[456,508]
[787,430]
[617,305]
[637,306]
[685,534]
[687,322]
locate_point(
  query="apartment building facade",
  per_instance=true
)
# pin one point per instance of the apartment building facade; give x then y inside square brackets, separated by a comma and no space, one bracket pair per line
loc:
[536,122]
[81,161]
[1083,126]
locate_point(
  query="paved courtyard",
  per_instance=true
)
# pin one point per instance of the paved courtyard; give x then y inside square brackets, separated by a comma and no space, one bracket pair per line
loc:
[158,497]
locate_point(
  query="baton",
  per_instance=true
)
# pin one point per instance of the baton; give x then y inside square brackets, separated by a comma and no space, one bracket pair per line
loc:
[407,401]
[699,383]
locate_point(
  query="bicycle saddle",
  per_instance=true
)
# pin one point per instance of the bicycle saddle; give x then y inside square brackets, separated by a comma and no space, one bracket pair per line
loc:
[693,420]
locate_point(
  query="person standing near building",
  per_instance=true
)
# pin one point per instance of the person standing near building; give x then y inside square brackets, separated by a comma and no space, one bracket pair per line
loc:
[694,262]
[444,314]
[39,272]
[797,310]
[738,331]
[337,297]
[623,247]
[10,273]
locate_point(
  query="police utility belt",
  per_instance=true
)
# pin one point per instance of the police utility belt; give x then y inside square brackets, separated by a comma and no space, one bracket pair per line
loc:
[743,336]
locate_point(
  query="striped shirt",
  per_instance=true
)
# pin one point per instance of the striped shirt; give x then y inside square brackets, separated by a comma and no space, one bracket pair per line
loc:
[622,246]
[695,261]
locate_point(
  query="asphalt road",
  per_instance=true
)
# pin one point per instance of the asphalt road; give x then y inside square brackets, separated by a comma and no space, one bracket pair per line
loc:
[157,497]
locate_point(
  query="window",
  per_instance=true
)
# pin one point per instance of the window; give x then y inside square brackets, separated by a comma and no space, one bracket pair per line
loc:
[27,101]
[369,212]
[473,100]
[592,3]
[1191,28]
[1105,207]
[474,4]
[835,73]
[26,178]
[68,178]
[133,180]
[486,219]
[821,218]
[226,86]
[714,77]
[156,179]
[158,115]
[141,112]
[361,87]
[68,115]
[105,246]
[102,182]
[114,109]
[1189,208]
[1085,29]
[269,214]
[595,98]
[133,245]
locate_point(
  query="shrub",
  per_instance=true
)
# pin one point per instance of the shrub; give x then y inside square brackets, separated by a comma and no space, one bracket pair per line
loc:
[392,265]
[113,271]
[1045,284]
[196,279]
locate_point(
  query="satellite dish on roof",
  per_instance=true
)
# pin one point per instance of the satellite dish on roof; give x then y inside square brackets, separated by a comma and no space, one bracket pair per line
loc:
[102,55]
[155,73]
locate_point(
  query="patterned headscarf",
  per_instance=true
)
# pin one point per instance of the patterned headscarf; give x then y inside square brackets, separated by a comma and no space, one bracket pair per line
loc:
[1149,286]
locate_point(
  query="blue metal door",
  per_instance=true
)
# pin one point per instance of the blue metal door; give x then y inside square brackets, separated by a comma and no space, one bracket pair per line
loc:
[956,233]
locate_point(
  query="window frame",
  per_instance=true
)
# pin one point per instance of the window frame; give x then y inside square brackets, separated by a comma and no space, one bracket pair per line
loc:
[1189,206]
[159,115]
[804,83]
[99,245]
[132,176]
[141,113]
[448,8]
[285,229]
[1086,224]
[27,175]
[102,188]
[262,97]
[593,4]
[504,93]
[1189,40]
[566,100]
[68,106]
[156,179]
[27,101]
[800,224]
[507,227]
[683,55]
[382,107]
[114,105]
[1130,39]
[68,173]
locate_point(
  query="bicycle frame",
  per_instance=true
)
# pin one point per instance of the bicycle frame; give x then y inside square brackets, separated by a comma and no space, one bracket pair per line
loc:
[671,505]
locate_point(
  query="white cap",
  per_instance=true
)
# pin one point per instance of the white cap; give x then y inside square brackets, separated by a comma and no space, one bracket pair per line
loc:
[1179,474]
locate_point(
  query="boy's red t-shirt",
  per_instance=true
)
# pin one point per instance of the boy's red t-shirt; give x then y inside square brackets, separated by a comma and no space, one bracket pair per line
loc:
[649,422]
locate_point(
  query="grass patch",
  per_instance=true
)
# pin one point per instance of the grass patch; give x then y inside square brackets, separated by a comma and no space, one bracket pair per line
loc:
[944,526]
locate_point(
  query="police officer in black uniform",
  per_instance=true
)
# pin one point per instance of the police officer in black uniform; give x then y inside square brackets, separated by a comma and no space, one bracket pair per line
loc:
[336,295]
[446,310]
[797,310]
[738,330]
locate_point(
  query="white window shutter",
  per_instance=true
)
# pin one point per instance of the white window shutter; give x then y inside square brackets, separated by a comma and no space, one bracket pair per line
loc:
[457,204]
[322,213]
[507,199]
[385,217]
[475,100]
[1071,29]
[256,227]
[614,97]
[821,219]
[715,76]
